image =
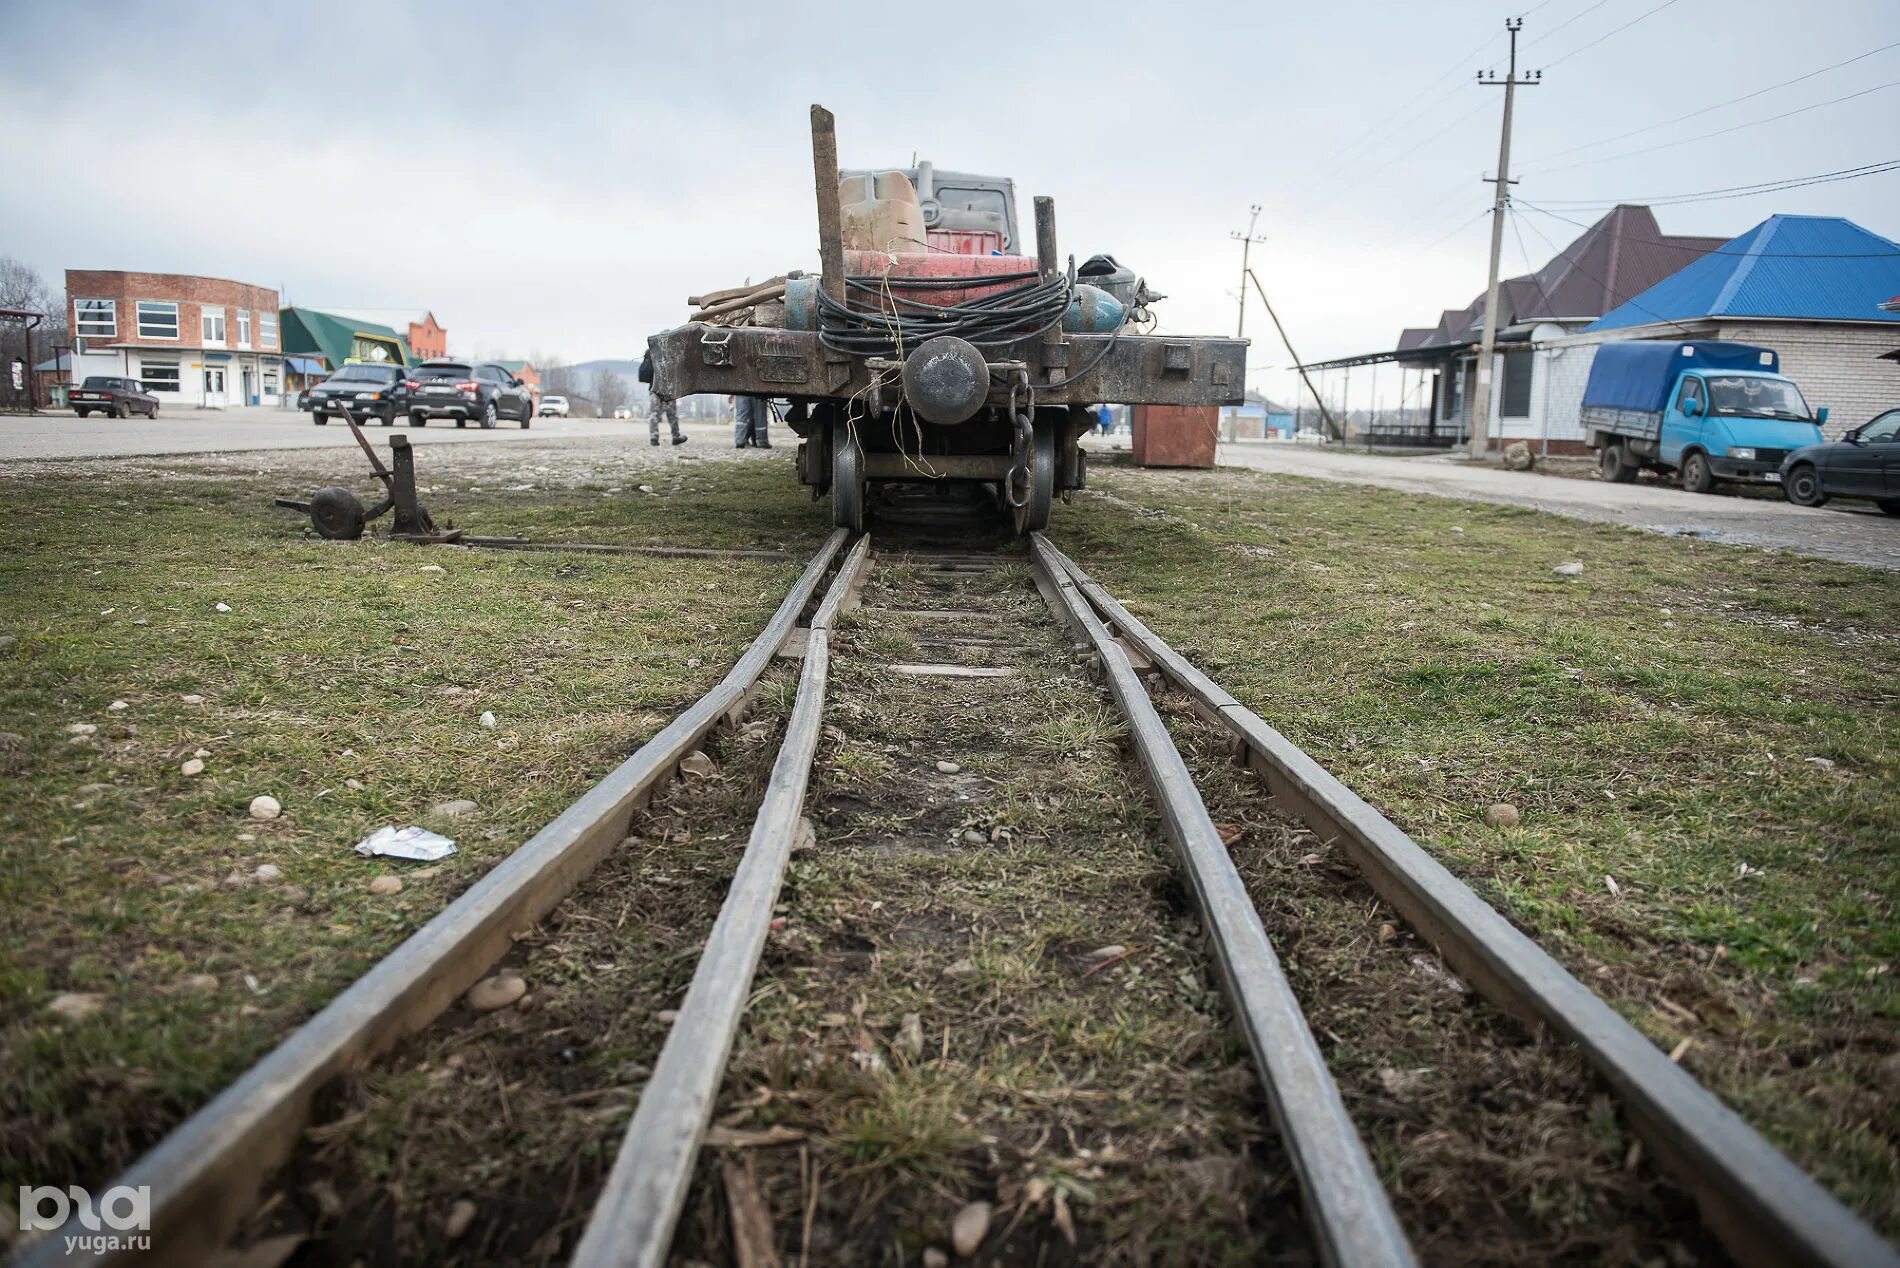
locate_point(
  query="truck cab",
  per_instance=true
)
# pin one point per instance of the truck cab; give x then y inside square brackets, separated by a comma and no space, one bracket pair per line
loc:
[1742,423]
[1706,409]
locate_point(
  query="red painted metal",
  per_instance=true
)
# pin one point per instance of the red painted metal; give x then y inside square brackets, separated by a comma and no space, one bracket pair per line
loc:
[934,264]
[966,241]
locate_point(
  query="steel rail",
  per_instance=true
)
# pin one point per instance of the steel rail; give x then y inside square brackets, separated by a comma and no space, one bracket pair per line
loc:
[634,1216]
[204,1177]
[1346,1206]
[1762,1207]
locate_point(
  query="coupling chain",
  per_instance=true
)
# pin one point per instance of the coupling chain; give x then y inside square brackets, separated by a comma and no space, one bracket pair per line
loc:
[1022,415]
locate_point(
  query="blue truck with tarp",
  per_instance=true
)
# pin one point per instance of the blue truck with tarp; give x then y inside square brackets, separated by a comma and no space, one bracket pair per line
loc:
[1708,410]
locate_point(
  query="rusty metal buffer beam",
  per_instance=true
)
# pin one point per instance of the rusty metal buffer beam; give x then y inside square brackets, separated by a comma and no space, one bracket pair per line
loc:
[1136,370]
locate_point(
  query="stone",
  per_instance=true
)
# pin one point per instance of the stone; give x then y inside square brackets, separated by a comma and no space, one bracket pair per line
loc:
[488,720]
[118,706]
[495,992]
[76,1005]
[203,752]
[192,698]
[910,1035]
[192,766]
[805,838]
[222,607]
[454,809]
[91,790]
[432,568]
[462,1214]
[1825,763]
[1571,569]
[1518,456]
[948,768]
[265,806]
[295,895]
[969,1228]
[386,884]
[203,983]
[975,836]
[698,765]
[268,872]
[1503,815]
[82,729]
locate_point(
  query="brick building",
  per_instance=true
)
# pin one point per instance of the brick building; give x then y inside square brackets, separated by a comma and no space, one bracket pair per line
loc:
[525,371]
[202,341]
[427,338]
[1813,288]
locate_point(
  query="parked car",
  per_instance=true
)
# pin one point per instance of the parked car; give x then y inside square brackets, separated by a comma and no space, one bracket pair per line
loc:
[361,390]
[622,411]
[552,406]
[119,398]
[1705,409]
[466,390]
[1864,463]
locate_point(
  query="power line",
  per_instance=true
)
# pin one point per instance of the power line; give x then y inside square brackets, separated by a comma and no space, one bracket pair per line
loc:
[1386,126]
[1678,246]
[1733,101]
[1735,191]
[1581,13]
[1641,17]
[1753,123]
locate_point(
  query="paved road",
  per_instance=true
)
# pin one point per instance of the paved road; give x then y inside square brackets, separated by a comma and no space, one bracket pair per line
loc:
[184,431]
[1852,531]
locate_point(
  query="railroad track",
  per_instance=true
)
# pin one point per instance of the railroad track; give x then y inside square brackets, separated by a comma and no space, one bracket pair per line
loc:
[209,1174]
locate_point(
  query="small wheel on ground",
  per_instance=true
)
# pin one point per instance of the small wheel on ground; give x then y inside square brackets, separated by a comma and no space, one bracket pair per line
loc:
[1616,465]
[1803,486]
[336,513]
[1697,475]
[489,416]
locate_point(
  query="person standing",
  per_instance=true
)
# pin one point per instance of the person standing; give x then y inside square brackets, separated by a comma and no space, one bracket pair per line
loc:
[659,404]
[751,418]
[1105,420]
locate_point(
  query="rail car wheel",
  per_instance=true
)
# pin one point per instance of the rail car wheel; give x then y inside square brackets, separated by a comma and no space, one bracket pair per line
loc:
[1033,515]
[847,482]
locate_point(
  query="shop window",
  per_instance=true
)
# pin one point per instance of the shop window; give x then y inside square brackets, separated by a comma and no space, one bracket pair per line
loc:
[159,376]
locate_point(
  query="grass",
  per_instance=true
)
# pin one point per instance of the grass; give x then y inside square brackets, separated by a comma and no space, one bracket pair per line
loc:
[347,680]
[1702,742]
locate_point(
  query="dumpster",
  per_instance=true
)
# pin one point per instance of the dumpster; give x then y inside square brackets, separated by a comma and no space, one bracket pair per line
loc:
[1175,435]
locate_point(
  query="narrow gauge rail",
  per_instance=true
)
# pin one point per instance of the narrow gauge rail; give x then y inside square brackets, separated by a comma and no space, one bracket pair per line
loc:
[205,1177]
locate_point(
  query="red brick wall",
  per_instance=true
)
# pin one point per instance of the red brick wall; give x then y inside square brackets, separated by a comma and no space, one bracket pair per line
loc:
[191,294]
[427,339]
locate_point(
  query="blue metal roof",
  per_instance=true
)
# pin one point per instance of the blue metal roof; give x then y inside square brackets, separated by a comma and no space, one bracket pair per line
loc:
[1819,268]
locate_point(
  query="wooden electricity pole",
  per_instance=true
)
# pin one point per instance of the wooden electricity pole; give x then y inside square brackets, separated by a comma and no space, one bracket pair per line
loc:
[1246,241]
[1481,397]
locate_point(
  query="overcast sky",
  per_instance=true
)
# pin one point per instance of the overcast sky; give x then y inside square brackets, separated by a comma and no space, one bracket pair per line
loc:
[557,178]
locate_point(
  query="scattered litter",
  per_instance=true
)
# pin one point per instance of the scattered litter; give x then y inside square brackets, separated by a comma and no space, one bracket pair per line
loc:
[1825,763]
[910,1035]
[76,1005]
[694,662]
[1676,1053]
[1743,870]
[488,720]
[224,607]
[266,807]
[412,842]
[698,764]
[1572,569]
[1609,883]
[432,568]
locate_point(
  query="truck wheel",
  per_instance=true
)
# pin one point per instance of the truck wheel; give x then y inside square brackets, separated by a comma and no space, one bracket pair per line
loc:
[1616,464]
[1804,486]
[1697,475]
[847,486]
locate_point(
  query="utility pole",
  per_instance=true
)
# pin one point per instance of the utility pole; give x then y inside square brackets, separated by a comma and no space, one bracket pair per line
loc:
[1246,241]
[1481,396]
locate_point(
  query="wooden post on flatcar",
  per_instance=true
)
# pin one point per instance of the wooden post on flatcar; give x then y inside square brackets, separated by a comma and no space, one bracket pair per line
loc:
[824,169]
[1046,235]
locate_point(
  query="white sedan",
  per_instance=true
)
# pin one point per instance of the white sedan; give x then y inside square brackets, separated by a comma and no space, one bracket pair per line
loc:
[552,406]
[623,412]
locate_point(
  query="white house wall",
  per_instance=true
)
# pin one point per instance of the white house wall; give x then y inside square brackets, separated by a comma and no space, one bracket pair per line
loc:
[1838,366]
